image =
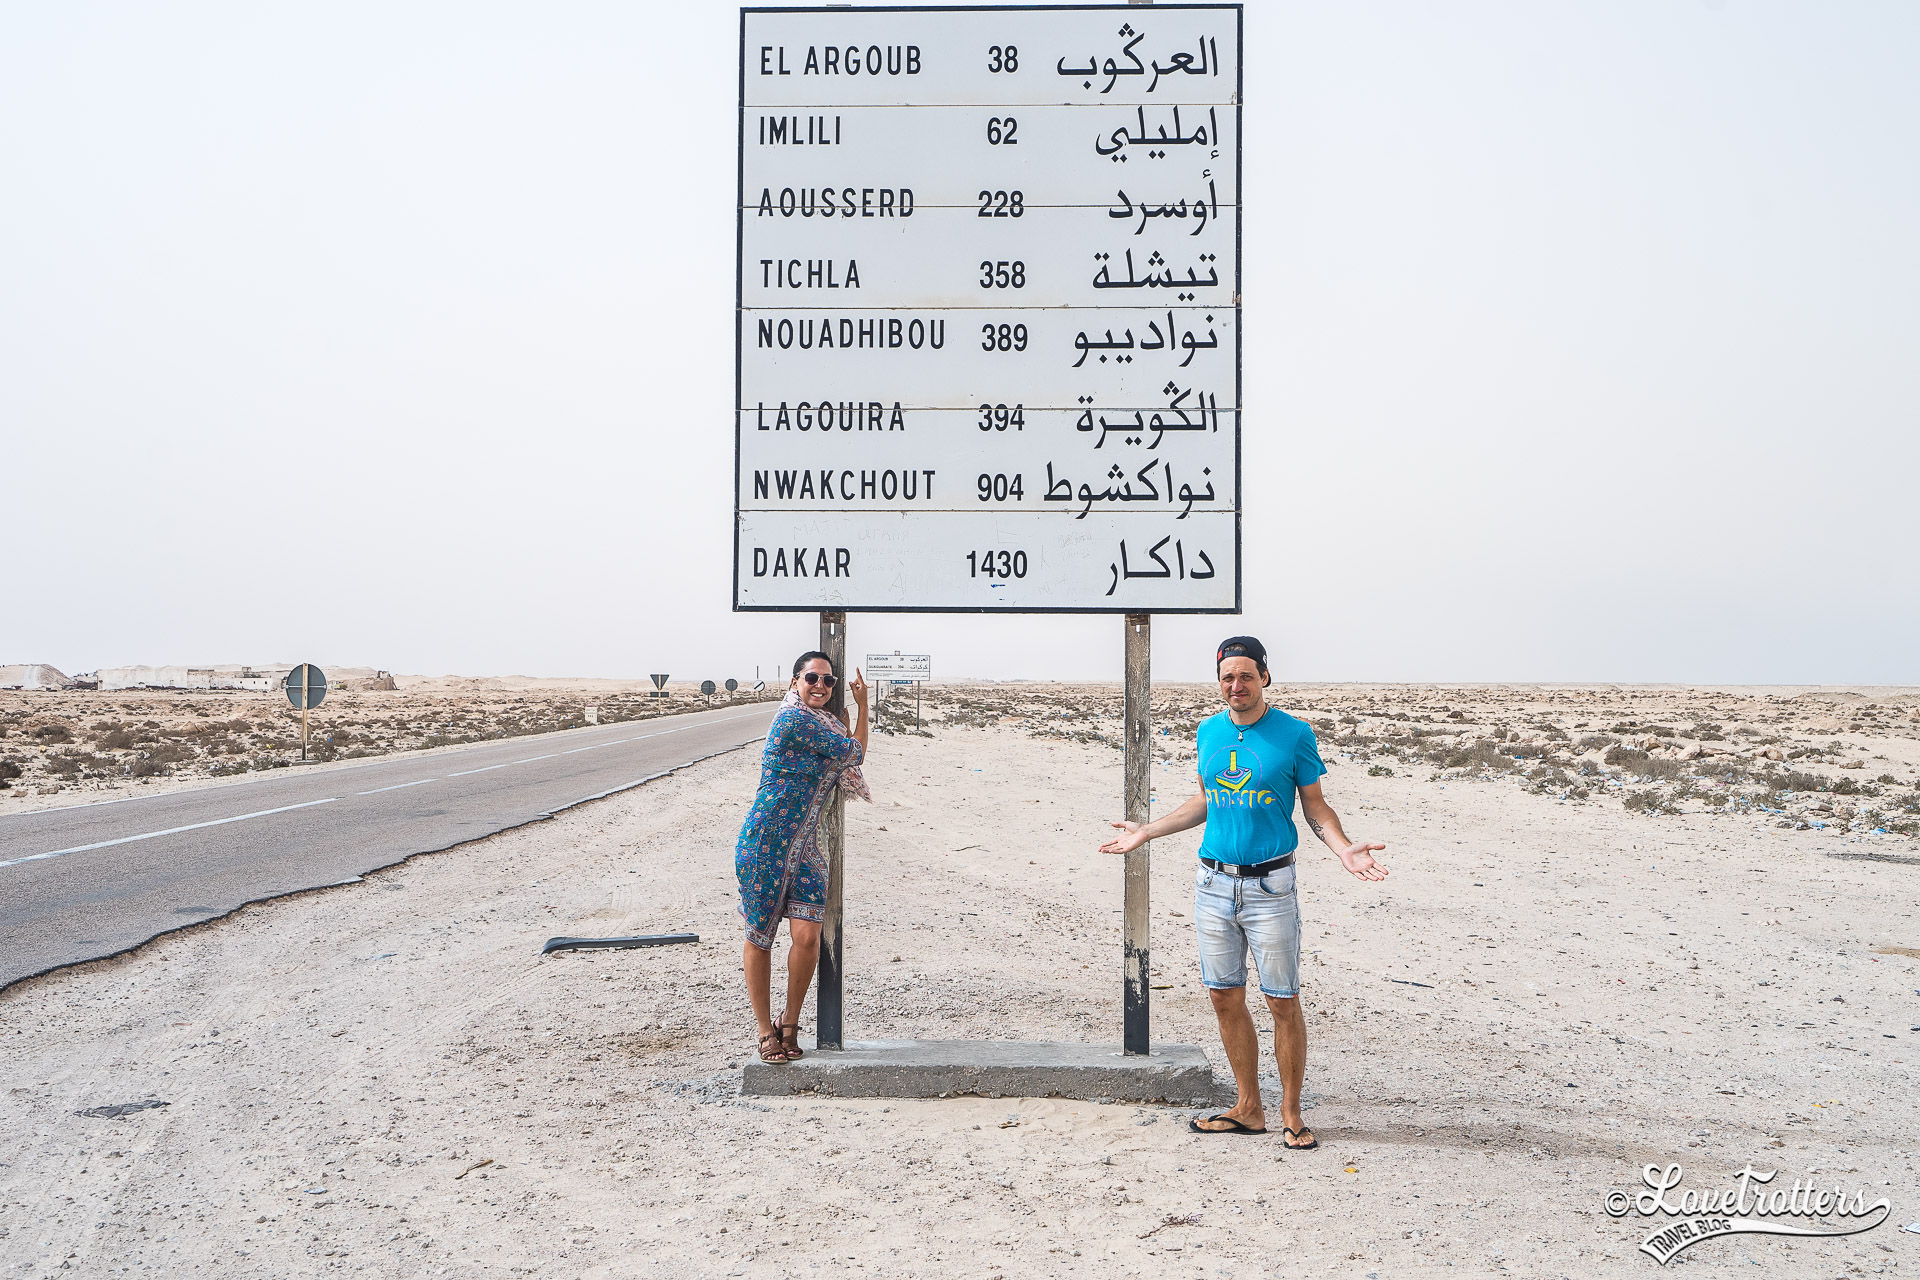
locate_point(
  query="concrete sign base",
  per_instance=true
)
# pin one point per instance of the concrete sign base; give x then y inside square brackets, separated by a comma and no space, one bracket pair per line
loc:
[1175,1073]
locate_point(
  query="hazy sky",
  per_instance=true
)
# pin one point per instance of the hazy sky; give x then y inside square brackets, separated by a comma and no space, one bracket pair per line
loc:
[1583,343]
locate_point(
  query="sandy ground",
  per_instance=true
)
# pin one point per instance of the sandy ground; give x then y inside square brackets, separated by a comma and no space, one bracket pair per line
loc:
[1548,994]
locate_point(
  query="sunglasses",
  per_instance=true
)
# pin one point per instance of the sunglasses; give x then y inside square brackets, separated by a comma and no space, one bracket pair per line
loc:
[814,677]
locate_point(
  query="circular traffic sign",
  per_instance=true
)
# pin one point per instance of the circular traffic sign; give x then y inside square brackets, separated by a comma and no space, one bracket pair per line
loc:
[732,685]
[706,688]
[306,685]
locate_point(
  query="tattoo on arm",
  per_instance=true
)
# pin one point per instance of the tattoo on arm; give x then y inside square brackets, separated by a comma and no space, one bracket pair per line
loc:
[1318,830]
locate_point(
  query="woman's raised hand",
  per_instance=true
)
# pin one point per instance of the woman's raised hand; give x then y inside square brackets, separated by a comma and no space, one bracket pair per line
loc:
[858,688]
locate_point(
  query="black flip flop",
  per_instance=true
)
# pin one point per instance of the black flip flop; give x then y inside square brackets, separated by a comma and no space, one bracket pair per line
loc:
[1237,1127]
[1294,1133]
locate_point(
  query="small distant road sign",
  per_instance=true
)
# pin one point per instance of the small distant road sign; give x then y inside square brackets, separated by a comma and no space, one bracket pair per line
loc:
[733,686]
[759,686]
[899,666]
[707,688]
[659,681]
[306,685]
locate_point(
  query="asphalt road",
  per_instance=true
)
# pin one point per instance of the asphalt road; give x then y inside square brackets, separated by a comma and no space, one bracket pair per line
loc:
[91,881]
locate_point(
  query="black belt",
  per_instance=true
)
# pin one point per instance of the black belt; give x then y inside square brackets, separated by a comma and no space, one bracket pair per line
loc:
[1252,872]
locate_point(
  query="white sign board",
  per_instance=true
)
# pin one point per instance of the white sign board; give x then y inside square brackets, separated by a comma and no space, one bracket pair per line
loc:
[904,667]
[988,310]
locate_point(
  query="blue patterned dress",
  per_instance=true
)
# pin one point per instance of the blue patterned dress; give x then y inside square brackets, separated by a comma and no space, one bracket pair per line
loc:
[781,866]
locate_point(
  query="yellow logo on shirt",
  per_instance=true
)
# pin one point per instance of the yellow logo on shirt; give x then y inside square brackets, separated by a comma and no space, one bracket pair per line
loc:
[1232,782]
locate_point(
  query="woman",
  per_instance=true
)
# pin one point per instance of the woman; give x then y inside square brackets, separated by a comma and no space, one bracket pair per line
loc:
[782,869]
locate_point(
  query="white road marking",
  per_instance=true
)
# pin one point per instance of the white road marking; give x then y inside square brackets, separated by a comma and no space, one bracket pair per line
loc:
[487,769]
[277,776]
[395,787]
[192,826]
[530,759]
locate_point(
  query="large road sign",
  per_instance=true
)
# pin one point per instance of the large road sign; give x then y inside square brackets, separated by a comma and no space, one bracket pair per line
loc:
[987,308]
[906,667]
[306,686]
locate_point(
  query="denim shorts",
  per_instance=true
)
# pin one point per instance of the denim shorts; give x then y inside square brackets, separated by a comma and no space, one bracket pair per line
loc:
[1232,914]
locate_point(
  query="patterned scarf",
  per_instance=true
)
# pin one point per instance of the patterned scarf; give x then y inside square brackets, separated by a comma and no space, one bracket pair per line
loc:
[851,783]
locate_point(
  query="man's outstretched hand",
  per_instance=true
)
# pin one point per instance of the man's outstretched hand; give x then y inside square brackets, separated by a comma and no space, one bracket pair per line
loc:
[1132,839]
[1358,858]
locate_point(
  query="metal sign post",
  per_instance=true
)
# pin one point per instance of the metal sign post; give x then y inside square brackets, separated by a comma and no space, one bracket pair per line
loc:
[833,828]
[1139,795]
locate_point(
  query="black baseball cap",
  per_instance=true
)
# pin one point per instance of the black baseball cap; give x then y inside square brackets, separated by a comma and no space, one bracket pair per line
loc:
[1242,647]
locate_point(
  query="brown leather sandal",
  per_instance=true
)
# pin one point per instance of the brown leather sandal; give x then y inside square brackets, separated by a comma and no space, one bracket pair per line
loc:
[771,1048]
[791,1042]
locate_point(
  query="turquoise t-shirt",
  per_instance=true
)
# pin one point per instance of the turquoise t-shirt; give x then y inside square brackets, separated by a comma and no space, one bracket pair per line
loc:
[1250,778]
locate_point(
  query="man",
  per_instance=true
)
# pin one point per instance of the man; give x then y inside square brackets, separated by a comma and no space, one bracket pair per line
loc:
[1253,760]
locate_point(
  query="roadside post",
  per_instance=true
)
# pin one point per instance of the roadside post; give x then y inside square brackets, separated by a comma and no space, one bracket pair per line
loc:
[1009,381]
[833,824]
[306,686]
[1135,963]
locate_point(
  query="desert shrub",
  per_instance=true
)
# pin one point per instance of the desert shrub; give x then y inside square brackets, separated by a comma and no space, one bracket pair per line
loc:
[8,772]
[1480,754]
[1706,732]
[145,768]
[1626,757]
[1379,771]
[1887,779]
[115,740]
[1648,801]
[53,734]
[1661,769]
[1798,781]
[1597,742]
[66,766]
